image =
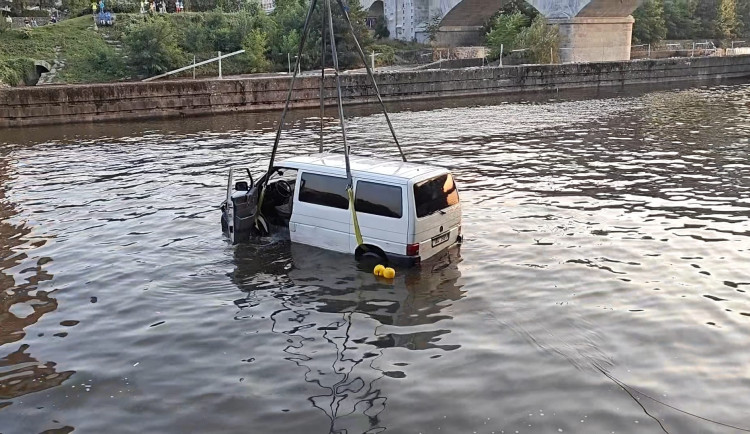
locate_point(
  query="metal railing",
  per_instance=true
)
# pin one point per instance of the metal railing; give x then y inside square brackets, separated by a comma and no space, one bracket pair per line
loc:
[194,65]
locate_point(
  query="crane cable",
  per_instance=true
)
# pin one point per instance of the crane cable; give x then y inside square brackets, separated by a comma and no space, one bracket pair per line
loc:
[322,78]
[305,33]
[345,12]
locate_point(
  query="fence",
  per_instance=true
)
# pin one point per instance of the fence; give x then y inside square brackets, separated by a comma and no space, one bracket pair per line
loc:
[204,67]
[687,49]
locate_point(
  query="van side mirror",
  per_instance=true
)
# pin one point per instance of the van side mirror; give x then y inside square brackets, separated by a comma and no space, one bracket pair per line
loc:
[241,186]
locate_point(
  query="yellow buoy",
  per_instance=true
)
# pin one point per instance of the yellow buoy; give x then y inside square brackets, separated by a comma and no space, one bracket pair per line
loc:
[378,271]
[389,273]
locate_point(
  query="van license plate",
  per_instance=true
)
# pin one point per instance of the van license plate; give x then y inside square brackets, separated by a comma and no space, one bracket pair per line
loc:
[441,239]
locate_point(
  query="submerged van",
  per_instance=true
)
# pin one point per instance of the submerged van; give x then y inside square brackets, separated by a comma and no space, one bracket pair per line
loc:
[407,212]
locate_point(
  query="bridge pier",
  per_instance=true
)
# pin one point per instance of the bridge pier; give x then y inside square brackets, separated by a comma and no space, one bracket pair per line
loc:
[594,39]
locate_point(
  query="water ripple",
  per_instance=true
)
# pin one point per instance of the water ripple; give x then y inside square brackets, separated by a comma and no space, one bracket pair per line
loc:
[603,234]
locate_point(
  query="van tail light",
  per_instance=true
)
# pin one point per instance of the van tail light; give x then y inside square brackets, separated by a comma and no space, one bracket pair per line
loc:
[412,249]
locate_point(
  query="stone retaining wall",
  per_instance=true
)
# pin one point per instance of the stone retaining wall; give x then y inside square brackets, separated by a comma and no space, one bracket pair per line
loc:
[130,101]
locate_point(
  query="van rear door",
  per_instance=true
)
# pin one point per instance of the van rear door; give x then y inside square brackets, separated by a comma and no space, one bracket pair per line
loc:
[438,214]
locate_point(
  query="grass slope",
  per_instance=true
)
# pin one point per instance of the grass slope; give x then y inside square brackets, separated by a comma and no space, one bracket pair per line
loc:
[88,57]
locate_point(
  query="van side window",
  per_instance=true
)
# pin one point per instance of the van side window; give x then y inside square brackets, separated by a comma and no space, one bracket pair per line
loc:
[324,190]
[435,194]
[379,199]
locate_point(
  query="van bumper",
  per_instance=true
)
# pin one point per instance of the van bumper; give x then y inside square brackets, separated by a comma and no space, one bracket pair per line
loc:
[403,260]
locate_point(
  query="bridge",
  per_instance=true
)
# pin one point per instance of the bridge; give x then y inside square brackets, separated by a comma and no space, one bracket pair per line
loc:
[591,30]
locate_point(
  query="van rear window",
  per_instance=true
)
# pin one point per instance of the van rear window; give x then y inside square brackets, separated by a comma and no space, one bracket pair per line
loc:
[379,199]
[324,190]
[435,194]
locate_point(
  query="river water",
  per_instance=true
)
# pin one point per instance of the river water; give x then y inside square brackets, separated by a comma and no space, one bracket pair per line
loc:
[607,241]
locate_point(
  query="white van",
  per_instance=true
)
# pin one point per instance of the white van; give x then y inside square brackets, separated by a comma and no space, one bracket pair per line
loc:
[407,212]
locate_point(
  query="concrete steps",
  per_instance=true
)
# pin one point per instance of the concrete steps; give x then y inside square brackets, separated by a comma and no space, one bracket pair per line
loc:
[115,44]
[57,65]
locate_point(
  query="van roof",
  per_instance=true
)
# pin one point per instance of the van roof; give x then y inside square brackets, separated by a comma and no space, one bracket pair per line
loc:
[363,165]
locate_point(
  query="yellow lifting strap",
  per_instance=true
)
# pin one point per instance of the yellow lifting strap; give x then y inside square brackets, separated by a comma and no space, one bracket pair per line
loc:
[357,232]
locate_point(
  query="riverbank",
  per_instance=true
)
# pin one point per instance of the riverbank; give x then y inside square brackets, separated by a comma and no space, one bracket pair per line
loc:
[85,51]
[132,101]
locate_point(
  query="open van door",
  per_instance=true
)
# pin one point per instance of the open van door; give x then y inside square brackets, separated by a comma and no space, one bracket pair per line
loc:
[228,214]
[239,208]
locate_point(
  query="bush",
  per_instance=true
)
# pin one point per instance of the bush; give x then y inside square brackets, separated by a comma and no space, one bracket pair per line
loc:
[256,51]
[504,33]
[107,62]
[77,8]
[386,54]
[152,46]
[121,7]
[35,13]
[14,71]
[541,40]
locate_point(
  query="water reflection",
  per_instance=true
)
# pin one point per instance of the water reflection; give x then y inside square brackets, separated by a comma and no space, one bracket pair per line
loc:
[340,321]
[22,304]
[23,374]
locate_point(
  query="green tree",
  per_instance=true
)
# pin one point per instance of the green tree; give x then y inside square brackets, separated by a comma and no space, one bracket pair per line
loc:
[200,5]
[152,46]
[504,32]
[706,14]
[541,40]
[255,45]
[650,26]
[680,19]
[381,29]
[289,16]
[77,8]
[434,27]
[521,6]
[743,12]
[727,21]
[18,6]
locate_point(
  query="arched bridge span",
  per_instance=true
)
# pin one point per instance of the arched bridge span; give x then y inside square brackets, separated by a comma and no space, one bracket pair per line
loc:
[591,30]
[469,13]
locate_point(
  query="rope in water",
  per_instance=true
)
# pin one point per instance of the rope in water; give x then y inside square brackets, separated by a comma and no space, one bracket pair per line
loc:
[628,389]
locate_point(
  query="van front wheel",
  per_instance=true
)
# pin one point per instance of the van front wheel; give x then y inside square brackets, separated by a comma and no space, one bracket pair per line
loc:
[370,253]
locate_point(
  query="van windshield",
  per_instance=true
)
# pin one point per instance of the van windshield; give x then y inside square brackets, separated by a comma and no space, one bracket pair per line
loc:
[435,194]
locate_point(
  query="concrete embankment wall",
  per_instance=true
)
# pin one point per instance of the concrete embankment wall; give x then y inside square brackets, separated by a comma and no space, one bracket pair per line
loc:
[131,101]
